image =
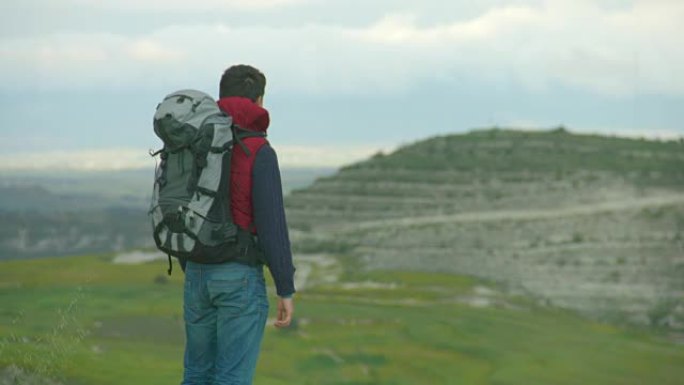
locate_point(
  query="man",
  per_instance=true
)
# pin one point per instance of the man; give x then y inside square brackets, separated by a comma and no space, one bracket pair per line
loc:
[225,305]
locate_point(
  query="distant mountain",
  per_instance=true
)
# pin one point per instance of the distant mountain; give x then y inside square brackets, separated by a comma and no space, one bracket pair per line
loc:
[588,222]
[36,198]
[28,234]
[63,191]
[60,213]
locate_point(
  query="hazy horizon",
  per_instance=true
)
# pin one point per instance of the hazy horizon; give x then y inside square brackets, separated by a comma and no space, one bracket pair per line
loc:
[291,157]
[345,78]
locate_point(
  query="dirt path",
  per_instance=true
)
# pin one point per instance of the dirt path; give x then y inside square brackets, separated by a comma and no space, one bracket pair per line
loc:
[499,215]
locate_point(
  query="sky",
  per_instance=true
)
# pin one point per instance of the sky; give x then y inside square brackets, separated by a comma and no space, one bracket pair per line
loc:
[79,79]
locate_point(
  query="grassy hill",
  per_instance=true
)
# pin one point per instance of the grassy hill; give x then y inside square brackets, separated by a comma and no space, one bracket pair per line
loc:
[555,151]
[587,222]
[85,320]
[457,259]
[491,169]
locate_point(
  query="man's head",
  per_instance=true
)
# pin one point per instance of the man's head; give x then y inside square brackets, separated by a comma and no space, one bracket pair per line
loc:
[243,80]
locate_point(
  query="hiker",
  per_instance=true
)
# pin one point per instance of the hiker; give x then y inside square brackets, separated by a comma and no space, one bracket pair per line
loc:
[225,304]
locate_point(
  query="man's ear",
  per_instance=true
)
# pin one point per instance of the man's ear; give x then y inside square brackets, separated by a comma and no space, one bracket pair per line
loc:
[260,101]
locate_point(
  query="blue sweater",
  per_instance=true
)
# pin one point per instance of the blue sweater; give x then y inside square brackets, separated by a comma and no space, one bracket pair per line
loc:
[269,219]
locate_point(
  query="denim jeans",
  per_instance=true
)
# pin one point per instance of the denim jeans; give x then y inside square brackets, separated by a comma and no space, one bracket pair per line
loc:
[225,309]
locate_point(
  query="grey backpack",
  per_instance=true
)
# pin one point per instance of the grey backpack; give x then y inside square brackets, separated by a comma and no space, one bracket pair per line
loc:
[190,207]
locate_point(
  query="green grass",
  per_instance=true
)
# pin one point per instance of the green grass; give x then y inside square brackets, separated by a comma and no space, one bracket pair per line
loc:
[85,321]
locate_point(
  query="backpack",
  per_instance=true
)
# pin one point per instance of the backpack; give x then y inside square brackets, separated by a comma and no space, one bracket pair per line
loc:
[190,206]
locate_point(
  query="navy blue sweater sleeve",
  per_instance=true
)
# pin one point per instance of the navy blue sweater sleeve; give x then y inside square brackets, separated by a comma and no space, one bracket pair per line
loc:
[269,219]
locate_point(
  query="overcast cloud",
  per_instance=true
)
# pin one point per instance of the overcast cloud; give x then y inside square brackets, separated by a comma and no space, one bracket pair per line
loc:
[339,69]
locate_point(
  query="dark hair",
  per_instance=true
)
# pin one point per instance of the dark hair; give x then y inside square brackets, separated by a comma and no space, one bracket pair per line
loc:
[242,80]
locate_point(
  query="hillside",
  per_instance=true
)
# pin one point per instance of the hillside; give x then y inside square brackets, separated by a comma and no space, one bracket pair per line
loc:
[88,320]
[586,222]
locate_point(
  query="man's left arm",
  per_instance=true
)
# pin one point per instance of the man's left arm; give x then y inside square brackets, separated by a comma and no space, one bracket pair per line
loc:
[270,221]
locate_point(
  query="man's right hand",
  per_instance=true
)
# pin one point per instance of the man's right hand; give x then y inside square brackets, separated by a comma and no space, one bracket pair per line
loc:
[285,310]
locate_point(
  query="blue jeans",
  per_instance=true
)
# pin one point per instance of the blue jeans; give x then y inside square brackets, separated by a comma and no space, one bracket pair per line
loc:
[225,309]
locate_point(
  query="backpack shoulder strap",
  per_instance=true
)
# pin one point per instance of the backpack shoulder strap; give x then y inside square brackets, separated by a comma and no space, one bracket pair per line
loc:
[240,133]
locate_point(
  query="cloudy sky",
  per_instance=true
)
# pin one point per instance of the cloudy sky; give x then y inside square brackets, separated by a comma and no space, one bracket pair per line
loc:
[81,78]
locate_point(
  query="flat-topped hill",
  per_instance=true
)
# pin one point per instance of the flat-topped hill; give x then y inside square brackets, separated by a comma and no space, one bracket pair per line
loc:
[557,151]
[590,222]
[491,169]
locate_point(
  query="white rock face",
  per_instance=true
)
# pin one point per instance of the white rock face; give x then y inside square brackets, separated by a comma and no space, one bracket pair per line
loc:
[590,241]
[137,257]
